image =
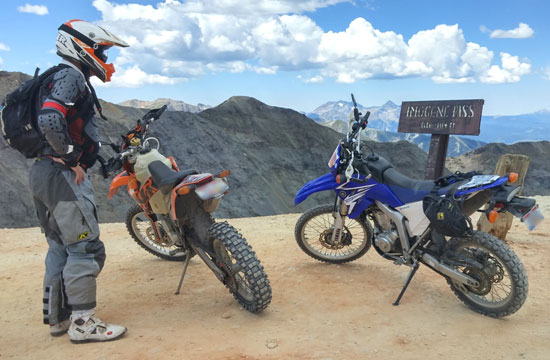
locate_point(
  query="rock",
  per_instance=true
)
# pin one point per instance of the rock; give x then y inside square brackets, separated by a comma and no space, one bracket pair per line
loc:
[271,343]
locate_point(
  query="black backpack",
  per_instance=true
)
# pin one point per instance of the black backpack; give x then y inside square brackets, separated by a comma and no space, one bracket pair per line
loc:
[18,115]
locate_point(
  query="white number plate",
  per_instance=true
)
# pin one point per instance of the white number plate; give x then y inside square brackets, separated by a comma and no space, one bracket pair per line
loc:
[533,218]
[211,190]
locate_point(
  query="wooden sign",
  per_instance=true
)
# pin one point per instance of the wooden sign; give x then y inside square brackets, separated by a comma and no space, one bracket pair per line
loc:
[461,117]
[440,118]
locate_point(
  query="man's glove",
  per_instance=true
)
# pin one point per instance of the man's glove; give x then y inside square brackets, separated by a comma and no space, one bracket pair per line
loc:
[71,159]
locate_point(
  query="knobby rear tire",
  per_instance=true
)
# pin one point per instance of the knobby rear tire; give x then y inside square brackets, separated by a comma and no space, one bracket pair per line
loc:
[254,290]
[512,266]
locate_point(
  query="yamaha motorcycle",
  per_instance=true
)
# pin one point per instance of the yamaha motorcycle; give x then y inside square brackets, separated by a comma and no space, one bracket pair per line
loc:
[375,205]
[171,216]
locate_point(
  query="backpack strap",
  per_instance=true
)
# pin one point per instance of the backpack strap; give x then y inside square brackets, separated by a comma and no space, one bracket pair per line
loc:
[96,101]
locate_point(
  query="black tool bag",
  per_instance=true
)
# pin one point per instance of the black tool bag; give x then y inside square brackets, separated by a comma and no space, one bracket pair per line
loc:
[445,214]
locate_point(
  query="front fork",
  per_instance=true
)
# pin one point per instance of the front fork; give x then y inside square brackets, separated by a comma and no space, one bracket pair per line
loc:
[340,213]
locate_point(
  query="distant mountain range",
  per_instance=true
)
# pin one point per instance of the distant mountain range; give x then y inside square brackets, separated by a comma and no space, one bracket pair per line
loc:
[383,122]
[173,105]
[385,117]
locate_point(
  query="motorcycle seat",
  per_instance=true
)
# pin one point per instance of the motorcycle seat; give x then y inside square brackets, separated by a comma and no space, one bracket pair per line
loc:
[164,178]
[410,190]
[405,188]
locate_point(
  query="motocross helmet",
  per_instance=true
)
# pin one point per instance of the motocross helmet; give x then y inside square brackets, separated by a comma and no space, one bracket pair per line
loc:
[87,44]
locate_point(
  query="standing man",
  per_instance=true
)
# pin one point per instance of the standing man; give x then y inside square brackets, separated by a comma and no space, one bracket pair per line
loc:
[61,190]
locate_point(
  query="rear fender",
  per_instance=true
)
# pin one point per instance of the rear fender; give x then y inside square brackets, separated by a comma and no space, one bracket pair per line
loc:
[519,206]
[325,182]
[192,181]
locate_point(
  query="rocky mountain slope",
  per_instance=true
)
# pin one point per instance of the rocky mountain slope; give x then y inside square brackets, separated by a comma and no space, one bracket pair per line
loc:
[173,105]
[10,81]
[271,152]
[484,159]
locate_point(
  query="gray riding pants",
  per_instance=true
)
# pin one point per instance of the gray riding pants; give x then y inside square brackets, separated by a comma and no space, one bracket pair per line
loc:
[75,257]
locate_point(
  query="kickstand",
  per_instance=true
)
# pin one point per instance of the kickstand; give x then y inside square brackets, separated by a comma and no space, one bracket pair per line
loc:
[409,278]
[187,258]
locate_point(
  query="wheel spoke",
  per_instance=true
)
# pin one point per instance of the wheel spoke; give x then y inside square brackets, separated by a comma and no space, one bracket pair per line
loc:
[316,235]
[498,293]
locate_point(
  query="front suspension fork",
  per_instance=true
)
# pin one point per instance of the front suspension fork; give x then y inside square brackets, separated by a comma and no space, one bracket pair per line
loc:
[340,213]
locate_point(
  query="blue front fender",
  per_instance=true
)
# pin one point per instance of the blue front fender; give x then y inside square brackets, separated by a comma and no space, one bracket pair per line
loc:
[325,182]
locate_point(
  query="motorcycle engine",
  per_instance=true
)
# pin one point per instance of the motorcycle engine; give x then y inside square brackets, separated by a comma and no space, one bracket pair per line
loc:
[386,234]
[385,241]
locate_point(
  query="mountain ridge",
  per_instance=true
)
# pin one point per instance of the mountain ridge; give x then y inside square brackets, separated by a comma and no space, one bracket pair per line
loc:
[173,105]
[271,151]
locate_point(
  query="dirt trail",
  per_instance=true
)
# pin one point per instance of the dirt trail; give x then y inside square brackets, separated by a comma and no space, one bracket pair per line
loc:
[318,311]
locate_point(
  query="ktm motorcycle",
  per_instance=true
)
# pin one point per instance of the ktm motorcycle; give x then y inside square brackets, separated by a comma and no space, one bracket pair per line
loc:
[412,222]
[171,218]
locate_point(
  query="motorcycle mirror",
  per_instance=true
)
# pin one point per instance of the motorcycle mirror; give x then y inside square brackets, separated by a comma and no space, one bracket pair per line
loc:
[356,114]
[364,121]
[366,117]
[353,100]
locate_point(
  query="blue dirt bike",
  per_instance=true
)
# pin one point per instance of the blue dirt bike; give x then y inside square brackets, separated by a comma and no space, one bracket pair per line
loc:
[412,221]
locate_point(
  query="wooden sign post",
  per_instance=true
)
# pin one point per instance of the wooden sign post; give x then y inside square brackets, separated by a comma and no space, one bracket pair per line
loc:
[440,118]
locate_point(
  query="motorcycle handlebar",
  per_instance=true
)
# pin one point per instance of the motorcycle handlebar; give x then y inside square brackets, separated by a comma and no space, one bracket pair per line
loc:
[344,179]
[113,164]
[154,114]
[150,117]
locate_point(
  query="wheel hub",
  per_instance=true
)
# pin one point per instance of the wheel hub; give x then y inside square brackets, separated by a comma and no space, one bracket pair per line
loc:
[325,239]
[224,263]
[484,282]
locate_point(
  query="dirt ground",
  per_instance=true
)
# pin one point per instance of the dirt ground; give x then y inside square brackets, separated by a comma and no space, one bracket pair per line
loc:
[318,311]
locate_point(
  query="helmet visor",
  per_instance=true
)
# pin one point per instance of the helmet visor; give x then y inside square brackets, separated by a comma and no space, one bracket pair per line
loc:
[102,52]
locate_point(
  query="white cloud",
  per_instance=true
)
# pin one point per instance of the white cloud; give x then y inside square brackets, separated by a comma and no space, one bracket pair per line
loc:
[511,71]
[521,32]
[312,80]
[134,77]
[238,8]
[175,41]
[33,9]
[1,62]
[546,73]
[264,70]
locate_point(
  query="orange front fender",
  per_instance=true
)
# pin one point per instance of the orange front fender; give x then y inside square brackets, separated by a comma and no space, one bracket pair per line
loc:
[121,179]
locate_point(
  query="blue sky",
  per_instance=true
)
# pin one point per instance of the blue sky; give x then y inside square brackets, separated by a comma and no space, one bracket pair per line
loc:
[302,53]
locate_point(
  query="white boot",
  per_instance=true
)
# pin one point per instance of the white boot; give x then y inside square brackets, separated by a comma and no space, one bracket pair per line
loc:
[86,328]
[60,328]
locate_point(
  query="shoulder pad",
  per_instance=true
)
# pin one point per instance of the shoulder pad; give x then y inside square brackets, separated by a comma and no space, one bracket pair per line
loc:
[68,84]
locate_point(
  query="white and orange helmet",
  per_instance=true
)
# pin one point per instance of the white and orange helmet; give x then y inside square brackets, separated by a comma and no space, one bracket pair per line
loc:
[88,44]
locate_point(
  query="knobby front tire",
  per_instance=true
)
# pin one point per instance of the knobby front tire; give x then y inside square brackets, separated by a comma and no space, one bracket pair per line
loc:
[141,230]
[313,234]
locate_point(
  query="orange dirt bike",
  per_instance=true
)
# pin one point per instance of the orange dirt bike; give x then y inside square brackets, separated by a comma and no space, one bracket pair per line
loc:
[171,218]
